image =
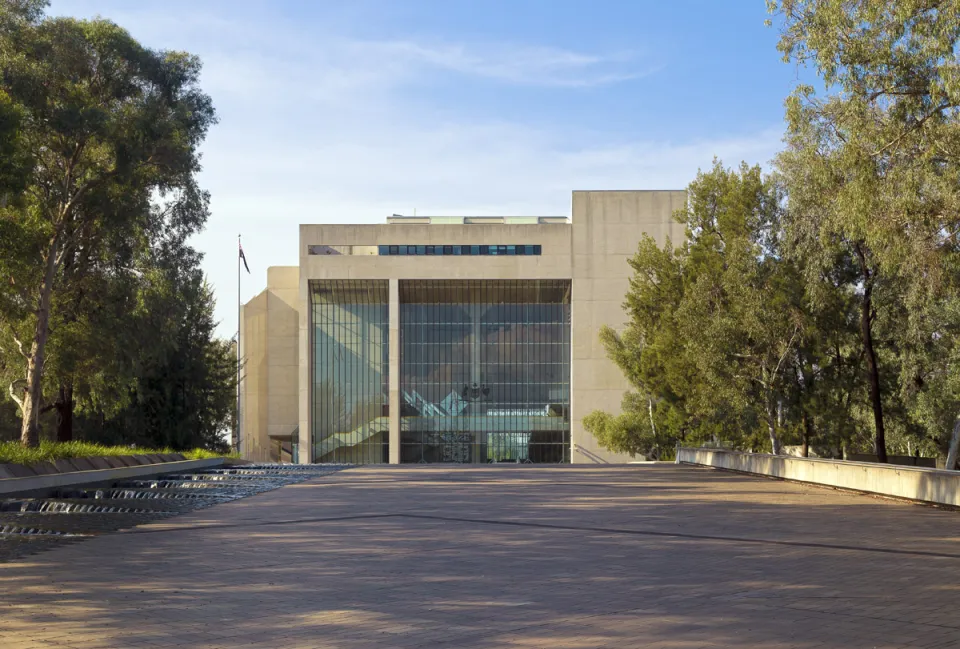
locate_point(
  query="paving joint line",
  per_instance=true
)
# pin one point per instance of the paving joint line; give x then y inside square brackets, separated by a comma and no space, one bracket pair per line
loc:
[699,537]
[553,526]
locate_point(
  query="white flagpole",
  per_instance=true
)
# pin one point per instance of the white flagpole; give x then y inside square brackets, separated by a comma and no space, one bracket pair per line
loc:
[239,316]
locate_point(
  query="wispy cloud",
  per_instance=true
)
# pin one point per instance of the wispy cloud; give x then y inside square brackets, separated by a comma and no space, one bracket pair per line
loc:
[519,65]
[339,61]
[329,127]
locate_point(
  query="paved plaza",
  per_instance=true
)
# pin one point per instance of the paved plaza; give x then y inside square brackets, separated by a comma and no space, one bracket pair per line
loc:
[434,556]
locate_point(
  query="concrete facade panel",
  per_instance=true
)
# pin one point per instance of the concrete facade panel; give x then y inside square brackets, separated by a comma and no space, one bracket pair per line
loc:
[269,356]
[282,351]
[607,228]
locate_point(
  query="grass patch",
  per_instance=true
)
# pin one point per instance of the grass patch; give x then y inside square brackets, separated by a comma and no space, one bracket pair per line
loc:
[16,453]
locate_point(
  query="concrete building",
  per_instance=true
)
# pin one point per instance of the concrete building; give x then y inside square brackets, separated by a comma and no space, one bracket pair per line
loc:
[441,339]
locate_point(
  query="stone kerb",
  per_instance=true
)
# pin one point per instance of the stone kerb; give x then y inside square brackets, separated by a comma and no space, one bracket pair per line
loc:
[913,483]
[26,484]
[72,465]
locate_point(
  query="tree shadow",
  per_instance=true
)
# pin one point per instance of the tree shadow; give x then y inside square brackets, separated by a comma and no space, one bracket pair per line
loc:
[480,557]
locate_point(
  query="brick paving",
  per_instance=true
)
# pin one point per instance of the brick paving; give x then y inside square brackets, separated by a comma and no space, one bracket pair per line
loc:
[429,556]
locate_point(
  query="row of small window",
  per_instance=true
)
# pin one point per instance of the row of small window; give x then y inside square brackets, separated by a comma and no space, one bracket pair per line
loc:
[460,250]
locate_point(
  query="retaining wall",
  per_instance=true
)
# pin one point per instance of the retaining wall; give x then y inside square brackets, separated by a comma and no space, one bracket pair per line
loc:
[914,483]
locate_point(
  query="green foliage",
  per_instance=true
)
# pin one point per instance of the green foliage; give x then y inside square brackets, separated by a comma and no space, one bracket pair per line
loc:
[632,431]
[874,184]
[47,451]
[106,326]
[184,392]
[725,342]
[822,304]
[109,131]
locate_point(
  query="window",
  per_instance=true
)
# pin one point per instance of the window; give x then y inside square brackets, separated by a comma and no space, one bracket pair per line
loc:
[509,250]
[484,371]
[349,356]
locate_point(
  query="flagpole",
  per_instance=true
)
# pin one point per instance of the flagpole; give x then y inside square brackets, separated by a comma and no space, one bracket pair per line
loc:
[239,324]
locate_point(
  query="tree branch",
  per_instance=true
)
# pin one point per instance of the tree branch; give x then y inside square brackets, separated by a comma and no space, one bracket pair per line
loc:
[13,393]
[796,330]
[908,131]
[19,344]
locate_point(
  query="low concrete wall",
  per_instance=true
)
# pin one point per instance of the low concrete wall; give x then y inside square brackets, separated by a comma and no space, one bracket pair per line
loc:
[902,460]
[39,483]
[914,483]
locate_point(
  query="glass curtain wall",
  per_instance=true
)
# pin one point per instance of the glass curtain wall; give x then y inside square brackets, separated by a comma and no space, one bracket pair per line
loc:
[349,349]
[485,371]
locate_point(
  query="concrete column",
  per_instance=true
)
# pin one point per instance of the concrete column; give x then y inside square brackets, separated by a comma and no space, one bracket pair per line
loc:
[394,377]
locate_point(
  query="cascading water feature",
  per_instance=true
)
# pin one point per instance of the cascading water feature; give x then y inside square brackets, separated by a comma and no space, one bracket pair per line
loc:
[32,531]
[28,525]
[172,484]
[47,506]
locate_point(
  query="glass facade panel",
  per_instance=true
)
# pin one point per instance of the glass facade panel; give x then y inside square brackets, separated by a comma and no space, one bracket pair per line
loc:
[349,369]
[485,371]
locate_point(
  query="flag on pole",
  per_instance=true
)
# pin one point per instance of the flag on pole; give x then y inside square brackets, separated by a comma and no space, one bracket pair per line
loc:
[243,257]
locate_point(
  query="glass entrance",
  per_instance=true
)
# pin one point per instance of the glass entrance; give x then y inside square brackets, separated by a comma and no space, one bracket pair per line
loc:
[485,371]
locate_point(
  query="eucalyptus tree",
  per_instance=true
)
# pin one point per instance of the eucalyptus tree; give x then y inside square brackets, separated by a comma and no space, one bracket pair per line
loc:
[110,130]
[717,326]
[743,316]
[651,354]
[872,168]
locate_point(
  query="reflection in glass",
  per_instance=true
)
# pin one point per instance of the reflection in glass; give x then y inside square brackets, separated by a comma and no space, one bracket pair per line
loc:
[485,371]
[349,371]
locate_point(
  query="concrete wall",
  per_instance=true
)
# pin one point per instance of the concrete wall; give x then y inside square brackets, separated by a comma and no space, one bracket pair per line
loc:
[607,228]
[253,379]
[283,318]
[914,483]
[269,355]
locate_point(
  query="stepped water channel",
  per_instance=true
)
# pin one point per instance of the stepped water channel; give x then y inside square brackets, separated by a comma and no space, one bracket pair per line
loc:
[29,525]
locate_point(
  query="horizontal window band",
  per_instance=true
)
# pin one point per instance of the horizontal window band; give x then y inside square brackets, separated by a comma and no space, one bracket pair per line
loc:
[461,250]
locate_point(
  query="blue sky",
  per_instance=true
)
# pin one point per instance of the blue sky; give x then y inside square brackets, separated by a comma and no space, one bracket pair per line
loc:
[345,112]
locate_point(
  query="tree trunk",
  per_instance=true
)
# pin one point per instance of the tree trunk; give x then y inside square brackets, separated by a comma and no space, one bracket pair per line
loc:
[30,428]
[805,449]
[873,371]
[772,427]
[954,447]
[653,426]
[64,407]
